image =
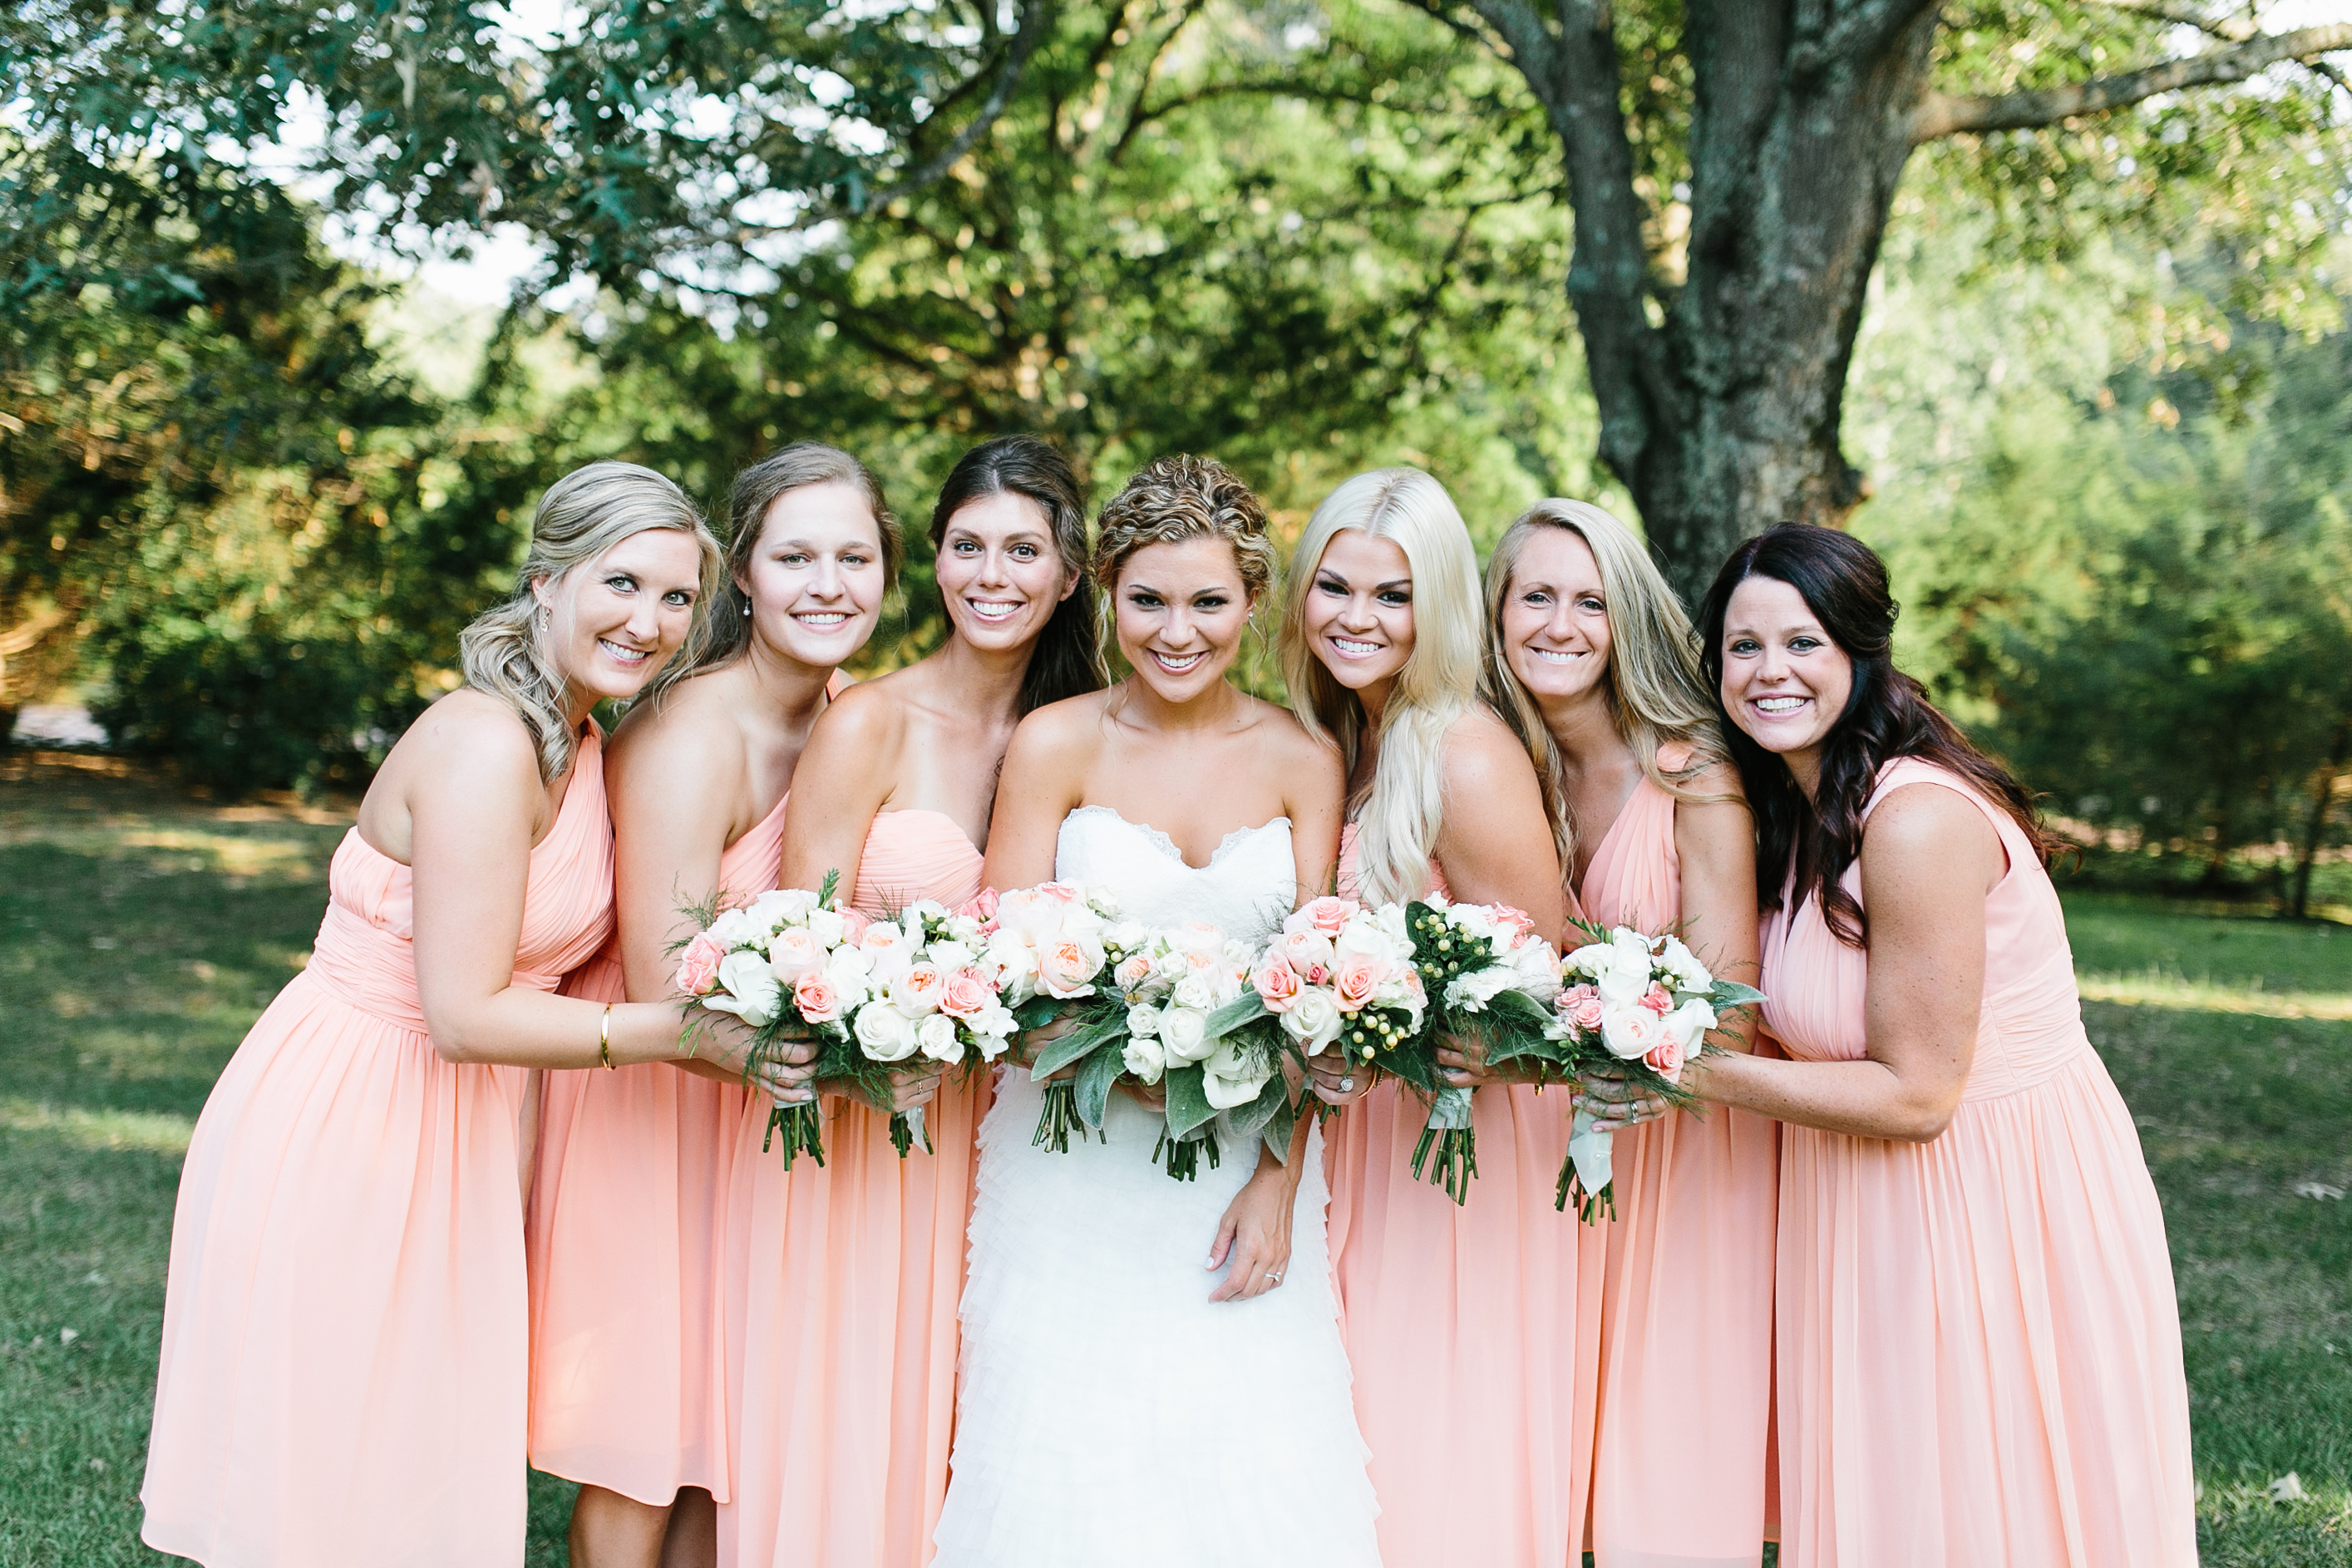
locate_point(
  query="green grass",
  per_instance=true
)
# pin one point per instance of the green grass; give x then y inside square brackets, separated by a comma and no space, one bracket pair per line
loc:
[140,931]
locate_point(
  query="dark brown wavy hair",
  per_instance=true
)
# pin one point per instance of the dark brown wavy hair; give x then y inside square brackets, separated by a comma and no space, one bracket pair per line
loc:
[1887,715]
[1068,657]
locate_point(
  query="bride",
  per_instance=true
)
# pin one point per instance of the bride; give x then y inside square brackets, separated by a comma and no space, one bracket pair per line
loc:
[1120,1401]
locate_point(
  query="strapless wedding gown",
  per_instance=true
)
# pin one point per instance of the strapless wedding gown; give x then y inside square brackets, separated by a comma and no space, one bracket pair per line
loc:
[1108,1412]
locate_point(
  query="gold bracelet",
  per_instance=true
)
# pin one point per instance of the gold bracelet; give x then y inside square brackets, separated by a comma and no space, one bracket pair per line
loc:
[604,1038]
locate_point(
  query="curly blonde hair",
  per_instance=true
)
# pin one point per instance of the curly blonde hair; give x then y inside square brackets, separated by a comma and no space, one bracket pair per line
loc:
[1178,497]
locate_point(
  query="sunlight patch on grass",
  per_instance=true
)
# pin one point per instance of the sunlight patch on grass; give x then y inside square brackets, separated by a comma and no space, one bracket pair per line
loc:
[2158,988]
[156,1132]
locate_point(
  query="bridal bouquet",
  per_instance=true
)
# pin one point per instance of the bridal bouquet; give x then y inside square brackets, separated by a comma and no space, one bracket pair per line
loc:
[1490,979]
[1633,1006]
[873,992]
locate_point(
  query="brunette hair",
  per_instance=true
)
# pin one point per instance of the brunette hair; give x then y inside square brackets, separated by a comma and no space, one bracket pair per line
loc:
[1178,497]
[1068,657]
[1809,844]
[726,632]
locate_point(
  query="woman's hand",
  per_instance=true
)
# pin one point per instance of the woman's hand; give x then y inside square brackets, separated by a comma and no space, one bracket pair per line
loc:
[913,1083]
[1463,1062]
[1255,1234]
[1617,1100]
[1336,1080]
[1152,1096]
[1025,1049]
[787,1077]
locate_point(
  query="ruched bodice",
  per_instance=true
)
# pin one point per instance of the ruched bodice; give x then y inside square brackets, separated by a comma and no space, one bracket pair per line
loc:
[366,948]
[912,855]
[2032,1022]
[1245,890]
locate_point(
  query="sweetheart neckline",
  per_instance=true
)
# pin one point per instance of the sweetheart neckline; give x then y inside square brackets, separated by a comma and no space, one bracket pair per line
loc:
[926,811]
[1157,837]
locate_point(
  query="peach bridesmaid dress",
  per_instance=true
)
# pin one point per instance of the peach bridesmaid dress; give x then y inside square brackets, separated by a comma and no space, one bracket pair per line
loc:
[844,1357]
[1979,1353]
[627,1212]
[1686,1298]
[345,1353]
[1474,1330]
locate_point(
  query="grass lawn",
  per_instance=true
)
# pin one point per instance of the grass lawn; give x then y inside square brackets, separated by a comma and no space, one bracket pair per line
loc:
[140,932]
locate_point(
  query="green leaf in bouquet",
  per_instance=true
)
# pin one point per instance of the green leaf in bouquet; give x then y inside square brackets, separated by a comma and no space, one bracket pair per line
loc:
[1092,1089]
[1036,1013]
[1188,1098]
[1249,1120]
[1096,1027]
[1243,1010]
[1731,994]
[1280,1128]
[826,889]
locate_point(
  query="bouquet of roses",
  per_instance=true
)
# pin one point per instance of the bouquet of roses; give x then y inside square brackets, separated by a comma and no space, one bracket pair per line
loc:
[1633,1006]
[873,992]
[1490,979]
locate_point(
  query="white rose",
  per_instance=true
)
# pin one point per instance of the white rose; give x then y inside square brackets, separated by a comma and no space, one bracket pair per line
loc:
[1370,941]
[784,906]
[965,930]
[1142,1021]
[1477,922]
[1125,936]
[1180,1033]
[1145,1057]
[1625,979]
[951,956]
[924,910]
[1389,919]
[826,926]
[1232,1076]
[1689,1023]
[748,988]
[992,1029]
[736,928]
[884,1033]
[1168,967]
[1680,962]
[1592,959]
[1014,962]
[1534,969]
[1313,1021]
[936,1035]
[1472,991]
[1195,991]
[1632,1033]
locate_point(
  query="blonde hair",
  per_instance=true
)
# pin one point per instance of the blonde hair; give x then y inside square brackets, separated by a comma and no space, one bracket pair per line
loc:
[1655,693]
[726,632]
[1177,497]
[583,515]
[1397,824]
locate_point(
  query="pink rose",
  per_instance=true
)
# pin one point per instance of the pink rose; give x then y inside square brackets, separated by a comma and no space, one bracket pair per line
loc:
[1656,1000]
[816,997]
[1064,967]
[794,951]
[1358,975]
[982,906]
[1667,1058]
[1307,952]
[1518,922]
[1132,970]
[1581,1005]
[852,928]
[1058,893]
[966,995]
[1328,914]
[1277,987]
[698,966]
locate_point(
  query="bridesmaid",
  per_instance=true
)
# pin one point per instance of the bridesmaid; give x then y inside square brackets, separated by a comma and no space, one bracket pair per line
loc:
[345,1339]
[628,1381]
[1474,1330]
[1980,1354]
[845,1361]
[1591,660]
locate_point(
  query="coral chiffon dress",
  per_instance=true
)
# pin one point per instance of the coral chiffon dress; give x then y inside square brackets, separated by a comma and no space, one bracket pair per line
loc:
[1474,1330]
[842,1359]
[345,1356]
[1979,1353]
[1686,1298]
[627,1274]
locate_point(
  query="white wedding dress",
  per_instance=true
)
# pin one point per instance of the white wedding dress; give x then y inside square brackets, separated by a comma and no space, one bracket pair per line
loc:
[1109,1414]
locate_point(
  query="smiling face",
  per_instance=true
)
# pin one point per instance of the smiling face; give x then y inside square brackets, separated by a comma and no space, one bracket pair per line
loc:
[1554,626]
[1358,613]
[815,579]
[999,571]
[1180,611]
[611,624]
[1785,680]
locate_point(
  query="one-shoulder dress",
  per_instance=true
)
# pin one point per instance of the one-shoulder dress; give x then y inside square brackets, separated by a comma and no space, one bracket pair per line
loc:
[1686,1300]
[1474,1330]
[1113,1416]
[842,1357]
[345,1357]
[1979,1353]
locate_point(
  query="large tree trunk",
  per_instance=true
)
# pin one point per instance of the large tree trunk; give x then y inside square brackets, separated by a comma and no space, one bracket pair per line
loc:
[1720,408]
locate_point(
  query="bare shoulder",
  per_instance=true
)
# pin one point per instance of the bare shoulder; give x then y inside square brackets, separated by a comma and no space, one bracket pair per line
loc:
[1926,830]
[1061,735]
[1295,746]
[691,727]
[866,720]
[1480,752]
[468,734]
[1715,778]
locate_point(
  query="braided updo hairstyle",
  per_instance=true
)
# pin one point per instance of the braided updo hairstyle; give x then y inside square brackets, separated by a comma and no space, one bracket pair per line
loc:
[1178,497]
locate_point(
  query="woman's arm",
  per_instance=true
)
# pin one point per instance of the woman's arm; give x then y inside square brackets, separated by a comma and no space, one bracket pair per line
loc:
[1715,842]
[676,781]
[474,801]
[1928,858]
[1314,790]
[1043,781]
[1495,843]
[843,781]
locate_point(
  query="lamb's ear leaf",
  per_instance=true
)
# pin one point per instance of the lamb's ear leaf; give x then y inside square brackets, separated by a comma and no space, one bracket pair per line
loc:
[1037,1012]
[1279,1129]
[1091,1032]
[1731,994]
[1092,1091]
[1187,1099]
[1246,1008]
[1248,1120]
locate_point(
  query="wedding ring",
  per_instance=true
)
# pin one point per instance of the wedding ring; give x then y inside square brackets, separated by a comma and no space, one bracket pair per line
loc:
[1347,1086]
[1274,1276]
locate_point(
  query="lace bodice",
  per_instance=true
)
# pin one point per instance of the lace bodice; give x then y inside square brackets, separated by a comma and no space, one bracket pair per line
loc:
[1245,890]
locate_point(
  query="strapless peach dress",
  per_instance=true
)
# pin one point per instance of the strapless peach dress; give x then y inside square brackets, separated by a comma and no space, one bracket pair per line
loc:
[345,1358]
[1979,1353]
[1474,1330]
[628,1303]
[1685,1402]
[844,1357]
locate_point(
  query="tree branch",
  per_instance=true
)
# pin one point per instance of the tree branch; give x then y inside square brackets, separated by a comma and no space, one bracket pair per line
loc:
[1281,87]
[2187,14]
[1861,33]
[1035,19]
[1939,116]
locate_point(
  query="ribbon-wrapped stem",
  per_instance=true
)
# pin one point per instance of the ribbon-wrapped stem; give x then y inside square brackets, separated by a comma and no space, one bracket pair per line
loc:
[1455,1143]
[1585,1177]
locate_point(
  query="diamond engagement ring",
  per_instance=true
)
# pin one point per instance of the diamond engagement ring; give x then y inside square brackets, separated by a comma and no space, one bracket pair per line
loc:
[1347,1086]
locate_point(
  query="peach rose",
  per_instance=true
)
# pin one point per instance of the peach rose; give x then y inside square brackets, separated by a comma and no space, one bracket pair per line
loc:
[1307,952]
[794,951]
[1058,893]
[1657,1000]
[917,989]
[816,997]
[852,928]
[967,994]
[1064,967]
[1357,976]
[698,966]
[1132,970]
[1277,987]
